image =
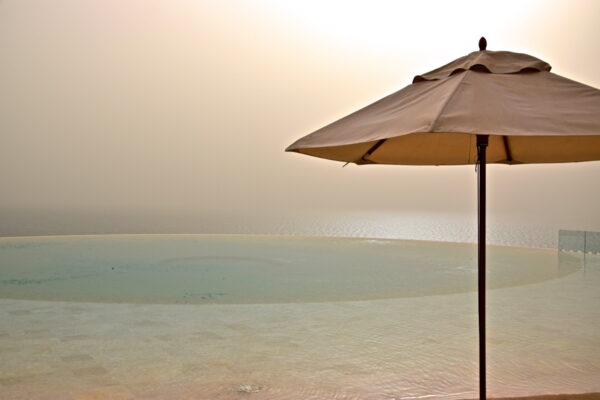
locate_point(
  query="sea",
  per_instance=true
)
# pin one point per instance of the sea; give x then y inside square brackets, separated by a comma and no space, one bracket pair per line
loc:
[513,229]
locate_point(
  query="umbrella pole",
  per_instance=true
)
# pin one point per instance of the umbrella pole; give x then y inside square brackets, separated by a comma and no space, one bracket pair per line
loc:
[482,143]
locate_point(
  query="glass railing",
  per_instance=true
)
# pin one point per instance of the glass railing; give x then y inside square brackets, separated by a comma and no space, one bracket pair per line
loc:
[582,241]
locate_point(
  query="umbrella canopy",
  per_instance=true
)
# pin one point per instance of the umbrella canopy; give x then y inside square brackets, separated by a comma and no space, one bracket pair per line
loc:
[487,107]
[531,115]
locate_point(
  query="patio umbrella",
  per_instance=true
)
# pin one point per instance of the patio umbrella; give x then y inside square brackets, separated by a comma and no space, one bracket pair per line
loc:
[486,107]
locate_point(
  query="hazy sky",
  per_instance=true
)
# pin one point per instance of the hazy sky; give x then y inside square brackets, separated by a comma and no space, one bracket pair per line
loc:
[186,106]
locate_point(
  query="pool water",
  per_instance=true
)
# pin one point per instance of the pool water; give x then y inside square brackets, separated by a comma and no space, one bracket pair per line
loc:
[268,317]
[255,269]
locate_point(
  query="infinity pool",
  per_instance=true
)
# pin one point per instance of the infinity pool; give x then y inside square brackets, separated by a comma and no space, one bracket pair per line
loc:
[267,317]
[255,269]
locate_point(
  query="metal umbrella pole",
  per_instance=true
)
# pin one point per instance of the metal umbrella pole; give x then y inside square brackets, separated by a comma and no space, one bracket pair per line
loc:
[482,143]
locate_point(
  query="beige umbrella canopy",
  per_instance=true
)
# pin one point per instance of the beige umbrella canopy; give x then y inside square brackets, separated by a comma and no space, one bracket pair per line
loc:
[486,107]
[531,115]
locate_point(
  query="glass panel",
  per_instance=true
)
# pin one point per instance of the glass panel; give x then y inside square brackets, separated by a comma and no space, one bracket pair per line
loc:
[571,240]
[592,242]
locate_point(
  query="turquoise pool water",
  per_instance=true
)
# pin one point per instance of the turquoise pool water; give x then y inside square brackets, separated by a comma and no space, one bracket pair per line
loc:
[255,269]
[268,317]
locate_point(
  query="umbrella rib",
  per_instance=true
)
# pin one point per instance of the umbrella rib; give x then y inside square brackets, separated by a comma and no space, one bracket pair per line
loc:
[372,149]
[507,149]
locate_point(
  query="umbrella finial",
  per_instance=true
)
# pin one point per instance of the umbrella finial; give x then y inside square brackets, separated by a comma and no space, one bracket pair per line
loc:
[482,44]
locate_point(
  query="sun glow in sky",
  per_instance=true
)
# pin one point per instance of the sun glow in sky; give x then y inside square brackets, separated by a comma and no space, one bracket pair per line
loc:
[387,27]
[402,32]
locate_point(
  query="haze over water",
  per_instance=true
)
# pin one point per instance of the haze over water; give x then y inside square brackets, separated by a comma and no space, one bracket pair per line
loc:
[434,226]
[172,116]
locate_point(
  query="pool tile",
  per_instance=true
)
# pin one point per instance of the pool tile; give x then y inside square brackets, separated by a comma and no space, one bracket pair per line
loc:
[105,393]
[19,312]
[149,324]
[75,337]
[28,379]
[95,370]
[77,358]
